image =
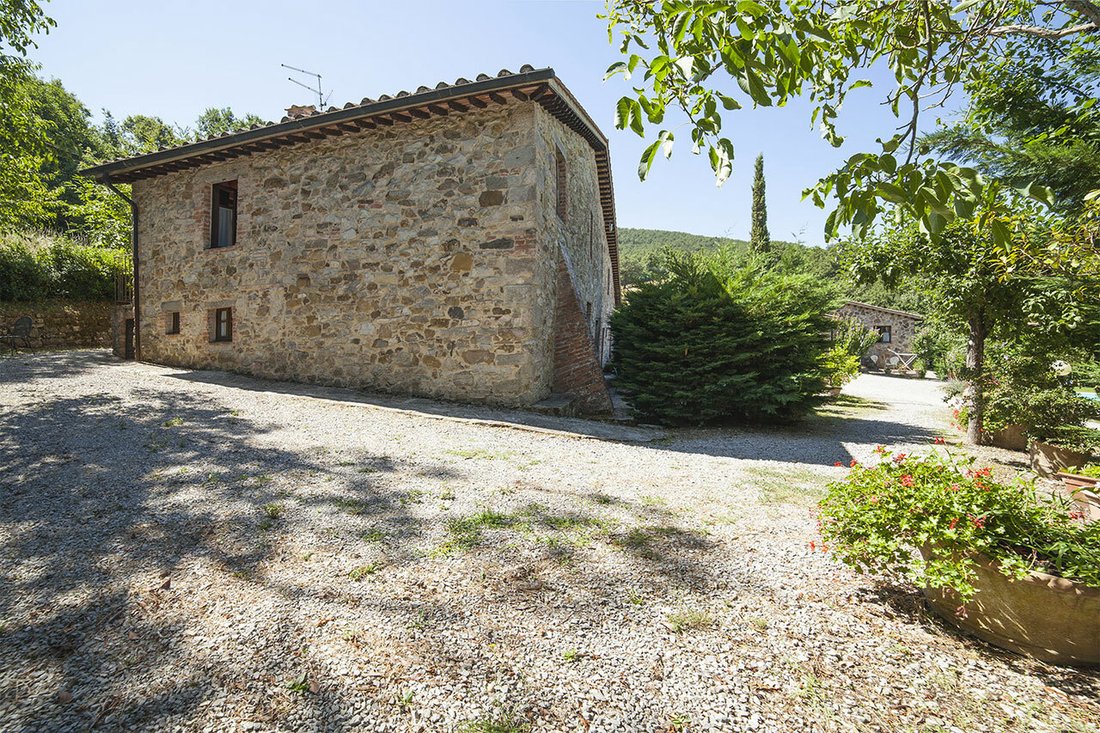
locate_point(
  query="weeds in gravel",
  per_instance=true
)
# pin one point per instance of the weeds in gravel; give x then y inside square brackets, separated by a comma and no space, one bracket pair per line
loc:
[678,723]
[480,453]
[502,723]
[466,532]
[635,597]
[302,685]
[412,496]
[374,535]
[363,571]
[404,700]
[354,507]
[173,422]
[571,655]
[759,623]
[639,542]
[448,494]
[785,486]
[689,620]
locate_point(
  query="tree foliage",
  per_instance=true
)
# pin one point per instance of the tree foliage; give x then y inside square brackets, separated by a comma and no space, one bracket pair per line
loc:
[759,237]
[40,267]
[707,59]
[715,343]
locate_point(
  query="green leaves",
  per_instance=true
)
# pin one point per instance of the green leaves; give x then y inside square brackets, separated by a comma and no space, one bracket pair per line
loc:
[777,50]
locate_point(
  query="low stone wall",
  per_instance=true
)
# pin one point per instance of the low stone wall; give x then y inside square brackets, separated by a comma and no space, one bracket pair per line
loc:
[61,324]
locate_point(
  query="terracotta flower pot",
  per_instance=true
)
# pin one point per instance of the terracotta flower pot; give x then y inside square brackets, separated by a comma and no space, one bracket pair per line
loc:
[1047,459]
[1082,491]
[1010,437]
[1043,616]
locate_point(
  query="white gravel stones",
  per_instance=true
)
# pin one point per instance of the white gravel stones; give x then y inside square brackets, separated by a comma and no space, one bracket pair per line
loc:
[197,551]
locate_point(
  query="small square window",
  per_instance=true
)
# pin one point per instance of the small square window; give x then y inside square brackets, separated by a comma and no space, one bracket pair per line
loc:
[172,322]
[223,215]
[884,334]
[223,324]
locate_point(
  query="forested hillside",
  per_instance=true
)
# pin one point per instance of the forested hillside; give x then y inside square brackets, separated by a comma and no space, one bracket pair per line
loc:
[640,260]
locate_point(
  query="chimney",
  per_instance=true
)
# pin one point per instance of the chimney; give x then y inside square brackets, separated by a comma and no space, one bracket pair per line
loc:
[295,111]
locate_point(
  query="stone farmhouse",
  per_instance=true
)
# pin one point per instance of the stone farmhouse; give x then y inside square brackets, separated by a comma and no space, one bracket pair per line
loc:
[457,242]
[896,329]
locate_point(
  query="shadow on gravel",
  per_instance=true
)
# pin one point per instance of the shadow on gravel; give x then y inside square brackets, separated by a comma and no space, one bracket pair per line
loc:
[93,532]
[27,367]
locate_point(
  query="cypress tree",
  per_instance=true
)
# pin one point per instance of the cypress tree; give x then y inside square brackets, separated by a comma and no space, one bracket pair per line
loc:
[760,239]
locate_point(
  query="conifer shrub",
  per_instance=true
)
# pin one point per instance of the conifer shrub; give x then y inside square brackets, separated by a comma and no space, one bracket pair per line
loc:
[712,343]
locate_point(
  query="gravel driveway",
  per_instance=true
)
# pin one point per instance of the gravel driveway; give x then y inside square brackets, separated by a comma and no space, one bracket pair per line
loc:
[187,550]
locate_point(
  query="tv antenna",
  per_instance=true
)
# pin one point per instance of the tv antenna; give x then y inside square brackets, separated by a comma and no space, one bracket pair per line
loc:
[321,98]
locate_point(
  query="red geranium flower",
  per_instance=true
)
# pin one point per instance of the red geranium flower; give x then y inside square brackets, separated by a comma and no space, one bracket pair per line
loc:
[906,480]
[953,523]
[899,458]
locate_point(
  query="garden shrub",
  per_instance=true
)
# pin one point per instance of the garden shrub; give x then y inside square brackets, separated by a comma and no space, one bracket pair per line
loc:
[850,341]
[713,343]
[40,267]
[879,516]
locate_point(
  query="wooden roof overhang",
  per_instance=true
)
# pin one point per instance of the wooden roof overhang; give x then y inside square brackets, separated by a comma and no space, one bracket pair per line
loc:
[538,85]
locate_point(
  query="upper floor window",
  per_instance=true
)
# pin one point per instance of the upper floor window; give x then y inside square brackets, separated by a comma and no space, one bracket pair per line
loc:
[223,215]
[884,334]
[561,184]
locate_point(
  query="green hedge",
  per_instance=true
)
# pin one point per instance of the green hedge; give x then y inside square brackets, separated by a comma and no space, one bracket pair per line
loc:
[41,267]
[711,343]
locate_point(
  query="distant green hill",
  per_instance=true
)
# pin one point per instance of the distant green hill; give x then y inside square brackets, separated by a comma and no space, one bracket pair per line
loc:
[638,246]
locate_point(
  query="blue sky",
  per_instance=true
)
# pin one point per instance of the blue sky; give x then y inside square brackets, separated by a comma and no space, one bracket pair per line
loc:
[174,60]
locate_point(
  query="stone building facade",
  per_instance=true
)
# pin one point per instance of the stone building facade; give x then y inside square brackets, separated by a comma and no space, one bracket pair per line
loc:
[897,329]
[456,242]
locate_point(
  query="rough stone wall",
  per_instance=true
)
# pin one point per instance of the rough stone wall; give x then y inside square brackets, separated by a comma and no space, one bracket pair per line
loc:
[403,259]
[902,329]
[61,324]
[582,234]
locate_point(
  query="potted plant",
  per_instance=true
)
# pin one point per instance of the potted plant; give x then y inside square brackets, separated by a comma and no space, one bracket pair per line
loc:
[1080,487]
[1014,567]
[1066,447]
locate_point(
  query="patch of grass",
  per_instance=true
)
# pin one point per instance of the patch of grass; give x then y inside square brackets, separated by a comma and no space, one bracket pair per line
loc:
[785,486]
[678,723]
[602,499]
[173,422]
[653,501]
[502,723]
[571,655]
[759,623]
[374,535]
[300,685]
[448,494]
[354,507]
[466,532]
[639,542]
[480,453]
[635,597]
[273,510]
[689,620]
[421,622]
[412,496]
[364,571]
[404,700]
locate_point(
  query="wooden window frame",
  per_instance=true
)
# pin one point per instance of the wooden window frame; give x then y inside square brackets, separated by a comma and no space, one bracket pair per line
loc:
[215,191]
[217,335]
[172,324]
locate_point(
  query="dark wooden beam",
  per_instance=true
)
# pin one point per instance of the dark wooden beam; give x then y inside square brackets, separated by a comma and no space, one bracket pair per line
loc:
[497,98]
[457,106]
[519,95]
[398,117]
[419,113]
[438,110]
[478,102]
